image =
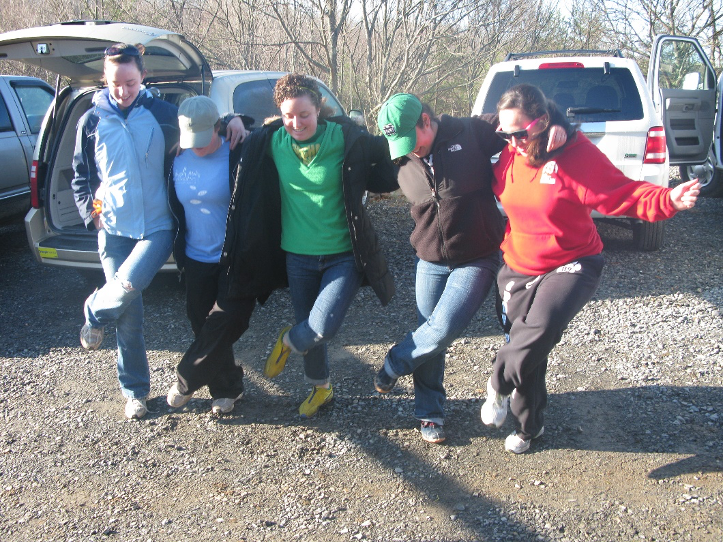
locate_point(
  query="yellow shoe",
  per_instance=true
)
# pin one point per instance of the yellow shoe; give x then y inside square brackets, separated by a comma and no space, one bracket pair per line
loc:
[317,398]
[278,357]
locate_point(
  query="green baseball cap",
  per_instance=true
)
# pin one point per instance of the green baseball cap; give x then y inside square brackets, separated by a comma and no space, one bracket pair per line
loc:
[397,120]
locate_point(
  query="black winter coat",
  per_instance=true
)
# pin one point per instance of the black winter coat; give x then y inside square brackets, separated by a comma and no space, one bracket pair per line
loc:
[252,252]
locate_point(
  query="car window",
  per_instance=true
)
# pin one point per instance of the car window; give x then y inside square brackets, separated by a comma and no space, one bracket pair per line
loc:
[156,60]
[34,100]
[586,90]
[5,123]
[682,67]
[254,98]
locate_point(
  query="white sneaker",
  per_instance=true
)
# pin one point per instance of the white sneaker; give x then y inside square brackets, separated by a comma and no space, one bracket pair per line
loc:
[224,405]
[136,408]
[175,398]
[517,445]
[495,408]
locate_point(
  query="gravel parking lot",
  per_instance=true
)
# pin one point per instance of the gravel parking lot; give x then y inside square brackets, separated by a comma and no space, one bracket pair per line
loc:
[633,447]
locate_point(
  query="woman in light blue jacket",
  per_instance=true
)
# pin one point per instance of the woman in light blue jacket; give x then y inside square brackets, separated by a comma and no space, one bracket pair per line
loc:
[120,161]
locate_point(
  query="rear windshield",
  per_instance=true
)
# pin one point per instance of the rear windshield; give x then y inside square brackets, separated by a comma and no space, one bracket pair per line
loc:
[157,61]
[587,88]
[254,98]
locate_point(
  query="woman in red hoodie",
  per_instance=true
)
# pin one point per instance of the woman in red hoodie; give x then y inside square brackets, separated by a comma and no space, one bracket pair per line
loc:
[551,248]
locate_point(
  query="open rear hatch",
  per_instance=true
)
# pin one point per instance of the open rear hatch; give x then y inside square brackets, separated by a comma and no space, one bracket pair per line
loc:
[75,52]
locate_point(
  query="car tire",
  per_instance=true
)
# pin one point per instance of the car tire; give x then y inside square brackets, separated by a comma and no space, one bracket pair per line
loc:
[711,180]
[648,236]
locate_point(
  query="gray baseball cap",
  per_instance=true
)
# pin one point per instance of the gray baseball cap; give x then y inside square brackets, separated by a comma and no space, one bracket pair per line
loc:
[197,117]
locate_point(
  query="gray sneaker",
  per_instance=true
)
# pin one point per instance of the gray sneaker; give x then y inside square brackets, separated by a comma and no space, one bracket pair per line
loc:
[91,338]
[224,405]
[495,408]
[136,408]
[432,432]
[517,445]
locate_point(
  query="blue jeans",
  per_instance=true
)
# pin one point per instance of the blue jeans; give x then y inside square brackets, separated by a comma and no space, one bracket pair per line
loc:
[447,300]
[322,289]
[129,266]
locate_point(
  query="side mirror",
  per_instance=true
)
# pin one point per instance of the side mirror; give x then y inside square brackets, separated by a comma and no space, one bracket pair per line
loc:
[691,81]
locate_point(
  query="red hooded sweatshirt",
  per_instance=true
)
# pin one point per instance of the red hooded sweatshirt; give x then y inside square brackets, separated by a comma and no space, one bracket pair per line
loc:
[549,207]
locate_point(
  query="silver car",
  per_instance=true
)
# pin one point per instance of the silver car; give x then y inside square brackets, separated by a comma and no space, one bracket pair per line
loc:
[176,70]
[23,103]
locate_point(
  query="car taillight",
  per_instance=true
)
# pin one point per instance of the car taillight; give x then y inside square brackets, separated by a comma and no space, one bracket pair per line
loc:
[34,196]
[559,65]
[655,151]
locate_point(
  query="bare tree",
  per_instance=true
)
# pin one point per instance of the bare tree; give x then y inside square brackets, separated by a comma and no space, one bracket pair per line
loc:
[635,23]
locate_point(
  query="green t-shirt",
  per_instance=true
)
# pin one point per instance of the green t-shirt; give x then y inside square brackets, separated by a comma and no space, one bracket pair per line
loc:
[313,207]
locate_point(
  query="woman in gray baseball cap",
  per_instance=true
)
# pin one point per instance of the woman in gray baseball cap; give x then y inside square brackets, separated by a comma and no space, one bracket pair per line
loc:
[200,190]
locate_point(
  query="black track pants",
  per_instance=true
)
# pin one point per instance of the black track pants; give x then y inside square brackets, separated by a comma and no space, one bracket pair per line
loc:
[534,312]
[217,322]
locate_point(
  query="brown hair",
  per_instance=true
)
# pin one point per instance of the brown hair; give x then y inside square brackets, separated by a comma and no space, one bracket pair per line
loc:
[428,111]
[295,85]
[533,104]
[124,58]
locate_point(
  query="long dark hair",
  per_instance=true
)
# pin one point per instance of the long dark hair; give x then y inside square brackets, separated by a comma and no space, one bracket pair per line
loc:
[533,104]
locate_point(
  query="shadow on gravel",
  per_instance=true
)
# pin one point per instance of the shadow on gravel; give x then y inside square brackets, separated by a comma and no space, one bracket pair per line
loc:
[649,419]
[369,422]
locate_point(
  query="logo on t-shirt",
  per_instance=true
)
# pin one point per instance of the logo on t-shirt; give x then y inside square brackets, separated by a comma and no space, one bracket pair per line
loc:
[548,173]
[572,267]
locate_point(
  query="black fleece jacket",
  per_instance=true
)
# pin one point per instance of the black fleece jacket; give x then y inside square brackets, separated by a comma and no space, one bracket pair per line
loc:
[454,209]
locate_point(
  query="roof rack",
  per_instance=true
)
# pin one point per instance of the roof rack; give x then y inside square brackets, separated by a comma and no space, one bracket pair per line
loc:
[567,52]
[86,22]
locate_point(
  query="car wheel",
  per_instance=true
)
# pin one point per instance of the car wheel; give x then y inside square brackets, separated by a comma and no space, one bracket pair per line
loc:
[710,176]
[648,236]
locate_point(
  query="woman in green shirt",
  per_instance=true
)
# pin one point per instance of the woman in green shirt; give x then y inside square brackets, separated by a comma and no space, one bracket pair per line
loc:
[300,188]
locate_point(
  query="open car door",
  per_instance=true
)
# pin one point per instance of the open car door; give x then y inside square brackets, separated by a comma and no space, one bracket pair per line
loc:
[682,84]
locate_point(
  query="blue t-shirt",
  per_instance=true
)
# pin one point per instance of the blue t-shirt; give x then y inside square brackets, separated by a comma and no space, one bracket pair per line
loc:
[202,186]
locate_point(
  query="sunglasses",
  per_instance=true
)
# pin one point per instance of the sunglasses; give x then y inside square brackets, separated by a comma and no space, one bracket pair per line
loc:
[521,135]
[115,51]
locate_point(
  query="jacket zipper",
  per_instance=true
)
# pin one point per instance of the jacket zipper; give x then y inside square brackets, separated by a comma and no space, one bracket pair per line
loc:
[434,192]
[148,147]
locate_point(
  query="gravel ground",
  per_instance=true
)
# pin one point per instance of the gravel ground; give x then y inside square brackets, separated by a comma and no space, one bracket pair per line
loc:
[632,450]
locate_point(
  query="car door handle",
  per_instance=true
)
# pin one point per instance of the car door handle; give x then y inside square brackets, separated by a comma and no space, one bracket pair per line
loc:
[683,104]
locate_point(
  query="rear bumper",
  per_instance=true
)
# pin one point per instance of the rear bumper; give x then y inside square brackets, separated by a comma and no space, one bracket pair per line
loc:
[78,250]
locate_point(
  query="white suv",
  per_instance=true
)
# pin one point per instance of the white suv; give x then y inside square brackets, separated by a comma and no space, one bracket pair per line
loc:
[632,121]
[176,70]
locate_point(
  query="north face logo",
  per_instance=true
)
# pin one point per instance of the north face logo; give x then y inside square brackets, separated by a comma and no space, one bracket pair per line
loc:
[389,130]
[455,147]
